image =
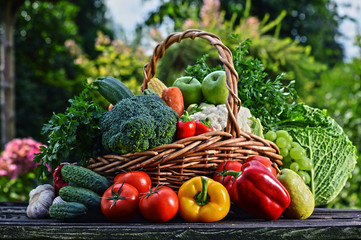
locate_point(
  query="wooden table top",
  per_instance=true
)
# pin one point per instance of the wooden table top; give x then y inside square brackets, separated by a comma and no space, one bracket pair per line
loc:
[322,224]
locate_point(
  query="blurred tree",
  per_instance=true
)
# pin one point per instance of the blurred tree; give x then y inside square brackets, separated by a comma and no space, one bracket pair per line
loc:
[47,75]
[116,59]
[45,69]
[340,93]
[91,18]
[313,23]
[8,11]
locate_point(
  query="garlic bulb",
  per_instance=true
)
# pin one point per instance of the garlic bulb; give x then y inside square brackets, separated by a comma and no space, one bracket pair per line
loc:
[40,201]
[58,199]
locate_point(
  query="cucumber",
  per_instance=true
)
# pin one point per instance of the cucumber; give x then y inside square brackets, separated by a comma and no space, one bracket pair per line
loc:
[112,89]
[82,195]
[85,178]
[67,210]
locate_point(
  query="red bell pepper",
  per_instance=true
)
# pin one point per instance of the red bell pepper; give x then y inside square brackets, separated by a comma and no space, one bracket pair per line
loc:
[203,126]
[265,161]
[186,127]
[258,192]
[58,179]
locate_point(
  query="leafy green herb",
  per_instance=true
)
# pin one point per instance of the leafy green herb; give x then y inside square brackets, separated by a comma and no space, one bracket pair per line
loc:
[267,99]
[201,69]
[73,136]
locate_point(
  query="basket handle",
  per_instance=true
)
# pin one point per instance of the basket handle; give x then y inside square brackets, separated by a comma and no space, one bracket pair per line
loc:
[233,103]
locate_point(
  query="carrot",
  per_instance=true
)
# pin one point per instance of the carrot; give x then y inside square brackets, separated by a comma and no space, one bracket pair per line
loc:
[174,99]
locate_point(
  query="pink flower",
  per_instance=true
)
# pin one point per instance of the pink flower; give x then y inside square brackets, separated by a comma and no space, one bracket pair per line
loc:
[156,35]
[188,24]
[252,23]
[210,11]
[17,157]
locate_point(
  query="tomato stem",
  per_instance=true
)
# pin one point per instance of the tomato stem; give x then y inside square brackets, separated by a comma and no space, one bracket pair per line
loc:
[116,195]
[147,194]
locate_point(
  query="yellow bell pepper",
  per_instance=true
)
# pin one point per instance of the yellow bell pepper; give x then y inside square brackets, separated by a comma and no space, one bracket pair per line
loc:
[202,199]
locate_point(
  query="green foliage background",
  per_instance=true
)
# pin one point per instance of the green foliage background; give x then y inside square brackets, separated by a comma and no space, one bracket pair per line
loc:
[58,45]
[46,75]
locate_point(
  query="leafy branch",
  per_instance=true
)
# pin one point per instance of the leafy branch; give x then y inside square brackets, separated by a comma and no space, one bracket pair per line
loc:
[73,136]
[267,99]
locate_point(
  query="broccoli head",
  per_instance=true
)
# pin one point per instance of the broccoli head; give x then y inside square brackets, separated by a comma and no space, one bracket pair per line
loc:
[138,123]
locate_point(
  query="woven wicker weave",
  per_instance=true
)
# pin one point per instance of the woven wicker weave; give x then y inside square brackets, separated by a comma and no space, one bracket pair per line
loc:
[172,164]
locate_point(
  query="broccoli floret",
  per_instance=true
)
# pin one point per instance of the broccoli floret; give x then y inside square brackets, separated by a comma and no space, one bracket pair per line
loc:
[163,136]
[138,123]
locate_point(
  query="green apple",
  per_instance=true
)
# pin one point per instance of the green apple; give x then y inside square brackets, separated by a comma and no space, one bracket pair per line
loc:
[214,87]
[191,89]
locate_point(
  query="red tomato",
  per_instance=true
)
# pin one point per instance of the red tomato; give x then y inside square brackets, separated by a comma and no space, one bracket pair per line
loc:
[159,205]
[223,167]
[140,180]
[120,202]
[265,161]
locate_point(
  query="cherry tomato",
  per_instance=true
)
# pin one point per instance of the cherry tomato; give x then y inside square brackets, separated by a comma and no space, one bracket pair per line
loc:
[120,202]
[140,180]
[159,205]
[265,161]
[223,167]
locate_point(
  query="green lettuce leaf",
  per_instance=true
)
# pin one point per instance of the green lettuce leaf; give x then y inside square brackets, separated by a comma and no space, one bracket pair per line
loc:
[332,153]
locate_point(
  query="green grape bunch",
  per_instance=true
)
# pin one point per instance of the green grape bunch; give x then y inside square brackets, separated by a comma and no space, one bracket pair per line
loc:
[294,155]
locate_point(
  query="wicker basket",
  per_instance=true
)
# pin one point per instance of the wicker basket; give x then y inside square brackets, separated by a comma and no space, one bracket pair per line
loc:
[172,164]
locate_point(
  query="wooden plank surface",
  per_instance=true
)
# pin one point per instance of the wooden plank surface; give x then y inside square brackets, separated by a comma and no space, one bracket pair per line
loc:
[323,224]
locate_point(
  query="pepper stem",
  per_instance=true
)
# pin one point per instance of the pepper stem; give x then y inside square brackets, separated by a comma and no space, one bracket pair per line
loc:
[206,122]
[233,173]
[277,168]
[202,197]
[185,117]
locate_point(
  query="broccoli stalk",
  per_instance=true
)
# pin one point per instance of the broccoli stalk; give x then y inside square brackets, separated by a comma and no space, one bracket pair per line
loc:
[138,123]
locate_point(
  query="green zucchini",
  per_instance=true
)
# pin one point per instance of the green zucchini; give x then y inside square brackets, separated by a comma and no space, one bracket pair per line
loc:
[149,92]
[85,178]
[82,195]
[67,210]
[112,89]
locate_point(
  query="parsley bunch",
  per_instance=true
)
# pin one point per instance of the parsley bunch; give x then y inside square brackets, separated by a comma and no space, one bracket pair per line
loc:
[73,136]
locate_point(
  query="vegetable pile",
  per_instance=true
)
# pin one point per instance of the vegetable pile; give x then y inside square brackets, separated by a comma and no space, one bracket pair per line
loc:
[318,157]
